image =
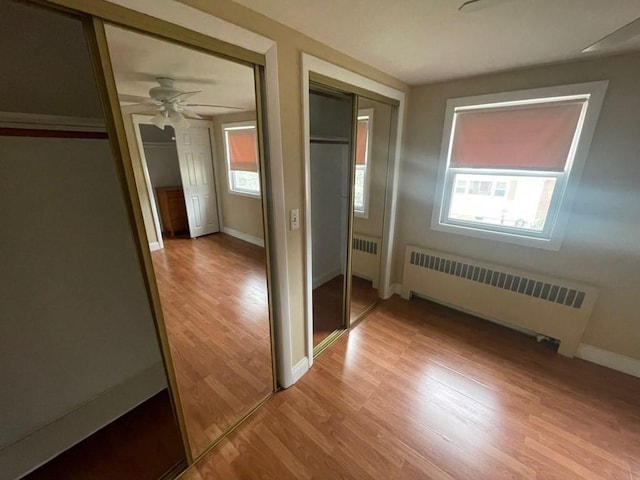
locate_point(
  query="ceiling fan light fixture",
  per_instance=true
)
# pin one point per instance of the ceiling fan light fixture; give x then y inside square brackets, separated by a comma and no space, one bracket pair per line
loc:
[177,119]
[160,120]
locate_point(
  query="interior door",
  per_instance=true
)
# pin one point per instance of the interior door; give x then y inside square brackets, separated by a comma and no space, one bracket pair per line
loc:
[196,170]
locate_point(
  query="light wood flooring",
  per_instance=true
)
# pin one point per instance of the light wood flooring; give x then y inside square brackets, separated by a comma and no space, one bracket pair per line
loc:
[327,304]
[214,299]
[418,391]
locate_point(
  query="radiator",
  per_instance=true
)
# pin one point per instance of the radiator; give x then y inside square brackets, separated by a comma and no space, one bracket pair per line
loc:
[544,305]
[365,261]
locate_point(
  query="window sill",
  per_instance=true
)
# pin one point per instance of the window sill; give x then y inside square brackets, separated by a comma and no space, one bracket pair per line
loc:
[553,244]
[245,194]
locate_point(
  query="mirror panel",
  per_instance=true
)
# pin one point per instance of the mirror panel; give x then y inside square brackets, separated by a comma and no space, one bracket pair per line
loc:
[84,389]
[191,126]
[369,192]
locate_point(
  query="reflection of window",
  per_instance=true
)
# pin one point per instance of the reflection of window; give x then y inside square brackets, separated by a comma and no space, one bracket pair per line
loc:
[479,188]
[461,186]
[363,160]
[241,155]
[508,160]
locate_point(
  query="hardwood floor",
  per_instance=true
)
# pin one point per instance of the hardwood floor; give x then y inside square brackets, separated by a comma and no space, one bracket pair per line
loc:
[327,308]
[143,444]
[214,298]
[327,304]
[420,391]
[363,295]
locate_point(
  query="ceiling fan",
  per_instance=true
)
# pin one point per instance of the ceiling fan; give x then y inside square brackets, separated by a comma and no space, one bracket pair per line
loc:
[617,37]
[170,103]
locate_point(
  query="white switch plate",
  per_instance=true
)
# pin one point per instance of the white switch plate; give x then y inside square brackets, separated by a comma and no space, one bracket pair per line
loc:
[294,219]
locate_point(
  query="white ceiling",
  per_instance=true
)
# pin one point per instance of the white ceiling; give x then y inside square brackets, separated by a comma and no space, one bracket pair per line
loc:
[422,41]
[138,59]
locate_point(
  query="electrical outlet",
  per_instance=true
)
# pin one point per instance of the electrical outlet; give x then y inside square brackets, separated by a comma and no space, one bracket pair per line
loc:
[294,221]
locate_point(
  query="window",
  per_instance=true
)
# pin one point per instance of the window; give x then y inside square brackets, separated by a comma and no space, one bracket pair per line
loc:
[241,155]
[363,160]
[510,162]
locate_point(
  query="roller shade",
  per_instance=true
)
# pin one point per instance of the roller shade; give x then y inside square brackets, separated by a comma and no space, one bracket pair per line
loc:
[531,137]
[241,145]
[362,138]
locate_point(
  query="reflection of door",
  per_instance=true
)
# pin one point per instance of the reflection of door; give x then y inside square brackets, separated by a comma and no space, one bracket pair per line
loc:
[196,170]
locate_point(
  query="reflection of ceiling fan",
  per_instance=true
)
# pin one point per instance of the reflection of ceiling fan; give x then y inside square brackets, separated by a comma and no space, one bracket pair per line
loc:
[617,37]
[169,102]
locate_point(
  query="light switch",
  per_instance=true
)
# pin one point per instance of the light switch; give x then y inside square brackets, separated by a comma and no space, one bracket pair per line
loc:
[294,220]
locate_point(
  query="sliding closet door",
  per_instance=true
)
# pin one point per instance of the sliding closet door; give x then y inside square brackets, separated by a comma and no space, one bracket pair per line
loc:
[84,389]
[212,277]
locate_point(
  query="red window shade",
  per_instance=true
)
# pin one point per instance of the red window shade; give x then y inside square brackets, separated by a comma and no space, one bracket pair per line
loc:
[362,137]
[242,149]
[531,137]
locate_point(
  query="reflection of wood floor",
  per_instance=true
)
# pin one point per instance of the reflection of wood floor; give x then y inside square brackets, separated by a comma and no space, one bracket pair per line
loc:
[327,304]
[143,444]
[418,391]
[214,298]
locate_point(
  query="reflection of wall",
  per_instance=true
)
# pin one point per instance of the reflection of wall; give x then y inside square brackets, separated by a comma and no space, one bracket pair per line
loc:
[240,213]
[601,243]
[162,163]
[379,143]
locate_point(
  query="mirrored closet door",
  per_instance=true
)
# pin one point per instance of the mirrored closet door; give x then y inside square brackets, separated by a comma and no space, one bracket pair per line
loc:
[351,136]
[192,122]
[373,141]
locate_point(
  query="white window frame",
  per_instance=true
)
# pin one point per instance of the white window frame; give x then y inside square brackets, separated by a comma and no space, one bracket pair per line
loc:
[225,141]
[566,181]
[365,113]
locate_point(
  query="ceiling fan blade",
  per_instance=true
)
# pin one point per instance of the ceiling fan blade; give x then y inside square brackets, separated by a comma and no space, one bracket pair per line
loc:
[182,96]
[123,97]
[476,5]
[190,113]
[621,35]
[140,107]
[209,105]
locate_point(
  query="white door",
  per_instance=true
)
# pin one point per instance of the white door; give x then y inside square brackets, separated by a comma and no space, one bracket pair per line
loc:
[196,170]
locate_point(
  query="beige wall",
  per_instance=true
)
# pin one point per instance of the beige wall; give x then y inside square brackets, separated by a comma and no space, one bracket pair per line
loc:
[290,45]
[239,212]
[601,246]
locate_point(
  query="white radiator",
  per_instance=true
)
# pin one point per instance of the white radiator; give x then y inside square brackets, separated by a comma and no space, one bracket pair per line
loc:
[365,260]
[549,306]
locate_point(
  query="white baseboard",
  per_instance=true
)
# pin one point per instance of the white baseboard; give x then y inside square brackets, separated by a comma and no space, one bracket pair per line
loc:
[244,236]
[153,246]
[609,359]
[299,370]
[396,288]
[40,446]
